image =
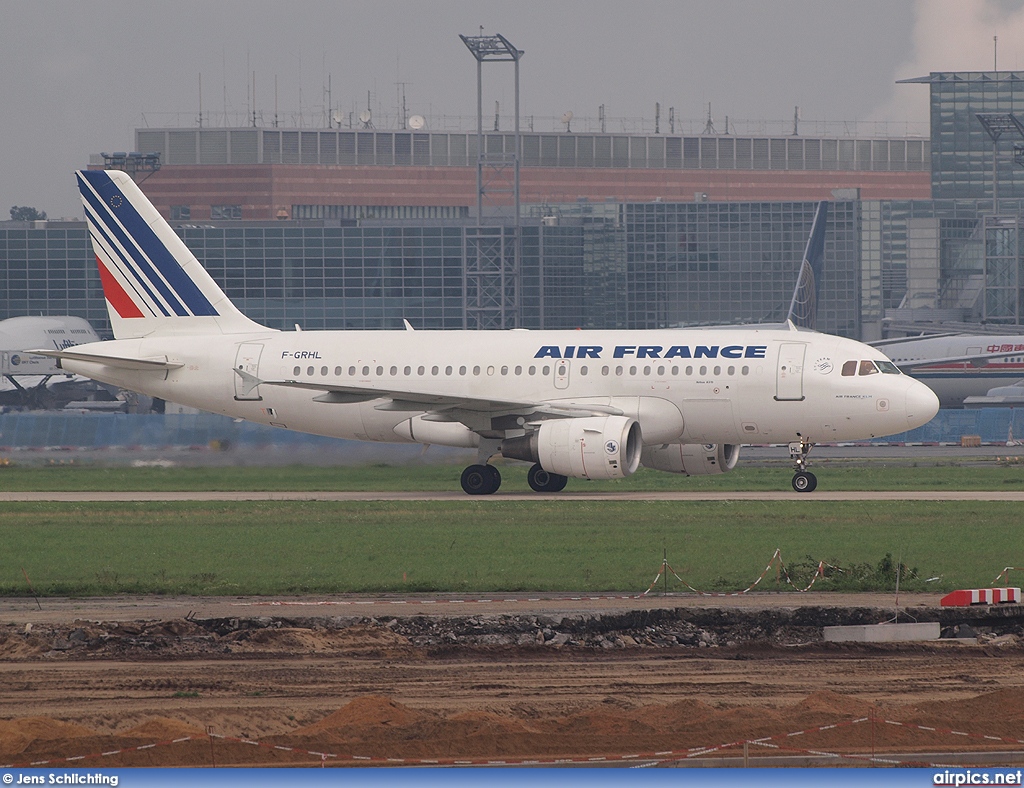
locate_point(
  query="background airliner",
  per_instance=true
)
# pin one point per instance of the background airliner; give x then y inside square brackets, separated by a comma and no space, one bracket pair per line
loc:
[584,404]
[960,366]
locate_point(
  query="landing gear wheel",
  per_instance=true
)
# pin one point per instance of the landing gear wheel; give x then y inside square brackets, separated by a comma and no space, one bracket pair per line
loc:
[481,480]
[804,481]
[542,481]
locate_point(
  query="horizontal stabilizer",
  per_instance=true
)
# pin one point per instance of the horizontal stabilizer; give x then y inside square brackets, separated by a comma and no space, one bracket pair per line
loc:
[110,361]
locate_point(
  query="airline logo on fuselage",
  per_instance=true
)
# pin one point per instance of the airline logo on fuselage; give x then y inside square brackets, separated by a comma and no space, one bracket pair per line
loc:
[653,351]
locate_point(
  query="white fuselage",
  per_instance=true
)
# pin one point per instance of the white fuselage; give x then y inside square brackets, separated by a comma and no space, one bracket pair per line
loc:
[954,381]
[744,385]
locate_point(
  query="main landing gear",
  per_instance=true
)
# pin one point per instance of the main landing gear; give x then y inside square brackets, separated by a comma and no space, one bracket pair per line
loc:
[803,479]
[481,479]
[542,481]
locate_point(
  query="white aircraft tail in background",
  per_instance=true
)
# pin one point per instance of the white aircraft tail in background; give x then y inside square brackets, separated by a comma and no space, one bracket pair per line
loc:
[583,404]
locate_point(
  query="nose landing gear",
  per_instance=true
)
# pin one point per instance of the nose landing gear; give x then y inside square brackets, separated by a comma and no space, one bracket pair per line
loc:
[803,479]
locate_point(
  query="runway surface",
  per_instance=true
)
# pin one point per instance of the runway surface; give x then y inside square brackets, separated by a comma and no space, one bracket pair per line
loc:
[296,495]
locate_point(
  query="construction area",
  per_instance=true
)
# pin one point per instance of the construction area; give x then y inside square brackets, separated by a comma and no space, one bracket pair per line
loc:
[673,681]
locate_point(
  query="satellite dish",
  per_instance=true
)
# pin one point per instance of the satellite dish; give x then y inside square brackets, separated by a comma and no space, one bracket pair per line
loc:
[365,115]
[337,117]
[567,119]
[417,122]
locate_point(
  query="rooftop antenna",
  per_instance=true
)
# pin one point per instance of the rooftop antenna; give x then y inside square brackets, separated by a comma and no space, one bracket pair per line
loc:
[709,127]
[995,53]
[402,110]
[796,121]
[657,117]
[567,120]
[366,116]
[200,99]
[254,99]
[496,116]
[600,117]
[672,120]
[275,101]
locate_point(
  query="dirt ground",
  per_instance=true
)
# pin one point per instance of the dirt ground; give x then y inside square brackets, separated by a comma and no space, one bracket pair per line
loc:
[662,683]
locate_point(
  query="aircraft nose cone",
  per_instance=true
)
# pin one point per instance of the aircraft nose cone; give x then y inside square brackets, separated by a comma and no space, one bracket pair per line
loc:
[922,404]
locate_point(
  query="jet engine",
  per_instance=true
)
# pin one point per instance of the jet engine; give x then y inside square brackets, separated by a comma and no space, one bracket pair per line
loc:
[594,447]
[693,459]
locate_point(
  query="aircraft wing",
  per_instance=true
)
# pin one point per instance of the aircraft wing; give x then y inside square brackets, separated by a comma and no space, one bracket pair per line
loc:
[440,404]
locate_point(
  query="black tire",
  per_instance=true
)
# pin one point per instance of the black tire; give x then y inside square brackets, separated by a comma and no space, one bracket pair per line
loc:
[543,482]
[480,480]
[804,481]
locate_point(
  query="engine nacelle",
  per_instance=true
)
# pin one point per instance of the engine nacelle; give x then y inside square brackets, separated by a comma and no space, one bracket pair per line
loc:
[595,447]
[693,459]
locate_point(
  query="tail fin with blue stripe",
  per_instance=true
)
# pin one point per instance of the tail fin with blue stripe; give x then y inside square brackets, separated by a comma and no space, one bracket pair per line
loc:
[152,283]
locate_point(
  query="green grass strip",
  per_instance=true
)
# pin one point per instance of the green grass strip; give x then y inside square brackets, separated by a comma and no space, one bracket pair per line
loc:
[490,546]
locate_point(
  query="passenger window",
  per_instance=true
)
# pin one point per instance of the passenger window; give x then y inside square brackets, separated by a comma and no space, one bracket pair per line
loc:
[447,370]
[476,370]
[310,371]
[605,370]
[323,371]
[718,370]
[618,371]
[546,371]
[408,371]
[675,371]
[732,370]
[745,371]
[583,370]
[337,372]
[352,371]
[689,371]
[421,370]
[532,370]
[462,370]
[434,370]
[661,372]
[504,370]
[380,372]
[849,369]
[867,367]
[297,371]
[703,370]
[647,372]
[394,371]
[519,370]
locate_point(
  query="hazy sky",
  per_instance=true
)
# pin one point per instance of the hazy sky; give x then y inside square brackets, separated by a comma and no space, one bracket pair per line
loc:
[79,78]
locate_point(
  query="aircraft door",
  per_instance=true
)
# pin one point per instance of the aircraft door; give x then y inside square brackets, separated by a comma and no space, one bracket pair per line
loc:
[247,362]
[789,380]
[562,374]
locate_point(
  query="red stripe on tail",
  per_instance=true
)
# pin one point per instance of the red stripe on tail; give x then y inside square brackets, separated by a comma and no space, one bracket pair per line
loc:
[116,295]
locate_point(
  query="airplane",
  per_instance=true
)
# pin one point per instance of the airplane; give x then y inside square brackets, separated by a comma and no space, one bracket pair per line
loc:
[959,366]
[20,367]
[581,404]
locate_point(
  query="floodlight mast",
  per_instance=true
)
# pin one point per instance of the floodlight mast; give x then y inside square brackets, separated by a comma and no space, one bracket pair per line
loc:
[493,49]
[996,124]
[491,274]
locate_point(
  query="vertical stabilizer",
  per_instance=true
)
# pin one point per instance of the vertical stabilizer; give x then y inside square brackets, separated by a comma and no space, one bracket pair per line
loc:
[152,283]
[803,309]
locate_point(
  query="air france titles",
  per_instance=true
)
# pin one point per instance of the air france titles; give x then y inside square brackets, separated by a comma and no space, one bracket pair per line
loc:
[653,351]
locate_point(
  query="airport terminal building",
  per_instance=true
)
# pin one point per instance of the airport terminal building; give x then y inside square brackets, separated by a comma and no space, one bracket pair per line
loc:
[362,228]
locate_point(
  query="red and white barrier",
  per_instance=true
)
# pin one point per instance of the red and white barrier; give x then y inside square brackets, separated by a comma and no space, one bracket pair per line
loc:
[981,596]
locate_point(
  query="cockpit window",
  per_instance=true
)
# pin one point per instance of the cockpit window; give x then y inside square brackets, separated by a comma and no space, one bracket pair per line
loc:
[867,367]
[888,368]
[849,369]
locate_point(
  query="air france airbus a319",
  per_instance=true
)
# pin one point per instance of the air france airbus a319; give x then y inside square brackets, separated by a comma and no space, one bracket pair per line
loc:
[583,404]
